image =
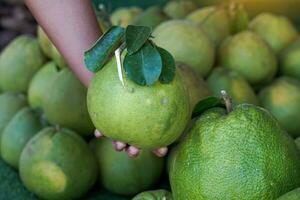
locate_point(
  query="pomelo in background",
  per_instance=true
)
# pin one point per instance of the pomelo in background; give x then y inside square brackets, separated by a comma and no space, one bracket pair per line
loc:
[121,174]
[154,195]
[292,195]
[244,154]
[58,164]
[19,61]
[187,43]
[124,16]
[179,9]
[144,116]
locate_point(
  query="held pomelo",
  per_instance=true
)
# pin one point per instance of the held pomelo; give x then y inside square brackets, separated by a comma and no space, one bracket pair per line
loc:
[243,154]
[143,116]
[58,164]
[124,175]
[187,43]
[19,61]
[21,128]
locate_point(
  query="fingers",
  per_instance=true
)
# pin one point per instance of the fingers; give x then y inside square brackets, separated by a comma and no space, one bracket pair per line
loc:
[132,151]
[98,134]
[161,152]
[119,146]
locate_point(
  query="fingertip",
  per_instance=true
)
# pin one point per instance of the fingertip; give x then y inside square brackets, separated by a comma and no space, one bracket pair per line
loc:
[161,152]
[98,134]
[119,146]
[133,151]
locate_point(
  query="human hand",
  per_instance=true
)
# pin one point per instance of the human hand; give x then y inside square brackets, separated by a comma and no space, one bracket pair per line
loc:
[131,150]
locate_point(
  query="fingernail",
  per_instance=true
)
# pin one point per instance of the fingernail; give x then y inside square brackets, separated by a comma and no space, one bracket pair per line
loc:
[119,146]
[98,134]
[133,151]
[161,152]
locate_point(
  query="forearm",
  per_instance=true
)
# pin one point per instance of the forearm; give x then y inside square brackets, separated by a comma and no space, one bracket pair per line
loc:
[73,28]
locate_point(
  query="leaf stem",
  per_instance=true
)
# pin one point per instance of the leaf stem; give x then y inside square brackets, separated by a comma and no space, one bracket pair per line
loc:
[228,101]
[118,54]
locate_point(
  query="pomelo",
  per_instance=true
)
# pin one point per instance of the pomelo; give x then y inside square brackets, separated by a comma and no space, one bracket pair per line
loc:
[40,83]
[235,84]
[125,16]
[277,31]
[179,9]
[154,195]
[247,54]
[282,99]
[292,195]
[65,103]
[243,154]
[21,128]
[58,164]
[19,61]
[187,43]
[124,175]
[143,116]
[214,21]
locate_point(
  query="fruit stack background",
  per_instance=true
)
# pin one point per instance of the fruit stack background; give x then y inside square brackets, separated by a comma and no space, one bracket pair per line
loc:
[46,134]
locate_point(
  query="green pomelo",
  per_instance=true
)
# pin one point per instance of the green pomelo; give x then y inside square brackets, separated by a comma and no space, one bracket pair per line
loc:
[58,58]
[282,99]
[124,175]
[197,87]
[10,104]
[19,61]
[187,43]
[277,31]
[232,82]
[65,103]
[214,21]
[125,16]
[297,141]
[21,128]
[154,195]
[290,60]
[292,195]
[58,164]
[151,17]
[242,155]
[40,85]
[143,116]
[44,42]
[179,9]
[250,56]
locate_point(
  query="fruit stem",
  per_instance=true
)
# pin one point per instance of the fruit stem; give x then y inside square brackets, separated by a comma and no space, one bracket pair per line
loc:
[227,100]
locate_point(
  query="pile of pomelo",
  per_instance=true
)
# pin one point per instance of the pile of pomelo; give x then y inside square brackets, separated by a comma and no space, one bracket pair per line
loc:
[244,148]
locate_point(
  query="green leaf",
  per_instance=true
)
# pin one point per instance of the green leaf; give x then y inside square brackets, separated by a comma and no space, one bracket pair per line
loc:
[136,37]
[240,20]
[144,66]
[168,69]
[207,103]
[96,57]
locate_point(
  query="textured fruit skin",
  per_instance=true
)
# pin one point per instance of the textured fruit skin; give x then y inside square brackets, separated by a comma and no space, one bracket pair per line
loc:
[19,61]
[143,116]
[292,195]
[65,103]
[244,155]
[277,31]
[10,104]
[179,9]
[197,87]
[154,195]
[290,60]
[151,17]
[187,43]
[21,128]
[58,164]
[40,83]
[236,86]
[214,21]
[282,99]
[250,56]
[125,16]
[124,175]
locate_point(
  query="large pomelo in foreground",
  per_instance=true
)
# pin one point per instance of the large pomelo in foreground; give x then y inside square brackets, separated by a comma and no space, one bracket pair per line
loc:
[187,43]
[243,155]
[65,103]
[58,164]
[143,116]
[21,128]
[124,175]
[19,61]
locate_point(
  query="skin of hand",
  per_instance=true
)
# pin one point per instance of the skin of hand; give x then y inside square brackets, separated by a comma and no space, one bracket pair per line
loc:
[73,28]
